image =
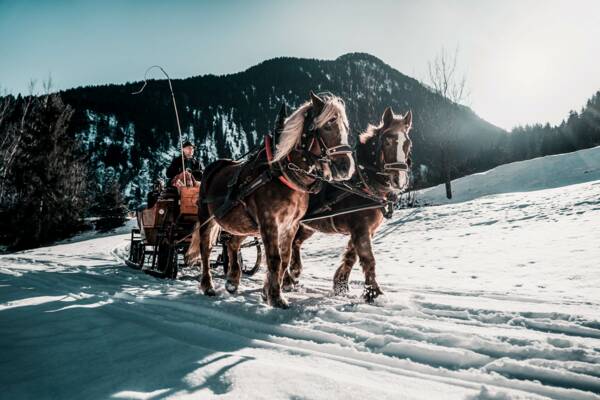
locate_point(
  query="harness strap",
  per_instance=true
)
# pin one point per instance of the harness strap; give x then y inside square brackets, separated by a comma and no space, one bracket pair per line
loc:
[340,212]
[366,191]
[332,221]
[283,177]
[244,191]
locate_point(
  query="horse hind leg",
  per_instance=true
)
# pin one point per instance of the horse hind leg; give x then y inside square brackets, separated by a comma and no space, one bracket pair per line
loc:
[342,274]
[192,255]
[234,272]
[292,273]
[207,237]
[285,246]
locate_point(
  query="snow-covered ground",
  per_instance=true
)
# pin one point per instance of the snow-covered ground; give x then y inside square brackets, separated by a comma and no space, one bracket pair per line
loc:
[491,299]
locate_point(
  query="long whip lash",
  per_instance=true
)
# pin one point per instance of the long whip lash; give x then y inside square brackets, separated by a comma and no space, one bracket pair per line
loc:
[176,113]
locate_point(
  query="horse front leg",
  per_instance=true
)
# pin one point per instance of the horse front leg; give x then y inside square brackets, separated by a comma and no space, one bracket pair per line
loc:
[362,244]
[234,272]
[342,274]
[269,233]
[292,273]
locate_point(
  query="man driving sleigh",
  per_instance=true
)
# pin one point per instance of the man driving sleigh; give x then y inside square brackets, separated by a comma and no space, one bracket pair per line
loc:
[177,176]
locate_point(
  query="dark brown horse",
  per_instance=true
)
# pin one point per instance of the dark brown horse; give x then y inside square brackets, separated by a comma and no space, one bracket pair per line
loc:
[383,157]
[312,142]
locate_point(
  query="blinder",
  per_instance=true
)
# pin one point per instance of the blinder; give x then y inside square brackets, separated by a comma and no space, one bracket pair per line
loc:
[310,132]
[387,168]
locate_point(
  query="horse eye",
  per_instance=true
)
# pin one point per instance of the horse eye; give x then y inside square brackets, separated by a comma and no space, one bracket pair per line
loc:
[331,121]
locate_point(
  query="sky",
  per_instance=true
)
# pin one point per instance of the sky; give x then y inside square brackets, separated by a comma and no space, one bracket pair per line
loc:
[525,61]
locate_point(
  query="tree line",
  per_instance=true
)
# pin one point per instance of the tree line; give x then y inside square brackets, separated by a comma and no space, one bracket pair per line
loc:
[46,190]
[88,155]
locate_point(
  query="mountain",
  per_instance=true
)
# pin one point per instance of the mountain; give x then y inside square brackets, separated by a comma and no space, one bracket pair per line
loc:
[134,136]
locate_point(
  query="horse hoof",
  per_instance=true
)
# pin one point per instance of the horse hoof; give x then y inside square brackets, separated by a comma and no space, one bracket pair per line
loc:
[263,295]
[371,293]
[274,301]
[210,292]
[341,288]
[288,285]
[280,302]
[231,287]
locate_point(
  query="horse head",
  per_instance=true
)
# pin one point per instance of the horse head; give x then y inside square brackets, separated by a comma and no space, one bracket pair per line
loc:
[319,129]
[387,147]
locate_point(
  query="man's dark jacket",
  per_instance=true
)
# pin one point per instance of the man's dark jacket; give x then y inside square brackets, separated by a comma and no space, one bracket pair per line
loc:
[191,164]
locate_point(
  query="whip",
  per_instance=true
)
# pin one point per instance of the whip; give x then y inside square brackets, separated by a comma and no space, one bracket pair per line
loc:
[176,113]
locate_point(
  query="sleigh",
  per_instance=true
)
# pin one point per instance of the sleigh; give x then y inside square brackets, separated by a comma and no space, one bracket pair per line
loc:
[163,236]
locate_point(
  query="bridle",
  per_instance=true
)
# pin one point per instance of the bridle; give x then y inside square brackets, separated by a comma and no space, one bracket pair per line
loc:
[382,166]
[310,139]
[310,134]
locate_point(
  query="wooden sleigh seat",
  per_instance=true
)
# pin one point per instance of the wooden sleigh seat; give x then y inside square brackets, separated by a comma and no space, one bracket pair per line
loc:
[168,209]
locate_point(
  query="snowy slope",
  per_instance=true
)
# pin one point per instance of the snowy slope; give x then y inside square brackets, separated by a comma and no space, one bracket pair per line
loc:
[538,173]
[494,298]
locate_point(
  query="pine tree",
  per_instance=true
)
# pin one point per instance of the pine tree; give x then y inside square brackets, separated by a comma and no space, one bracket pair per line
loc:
[109,205]
[44,180]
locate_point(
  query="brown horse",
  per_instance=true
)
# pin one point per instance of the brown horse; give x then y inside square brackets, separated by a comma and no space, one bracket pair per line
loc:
[383,158]
[313,142]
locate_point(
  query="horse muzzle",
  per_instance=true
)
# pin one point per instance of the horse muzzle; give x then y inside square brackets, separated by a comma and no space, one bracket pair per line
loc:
[342,166]
[399,181]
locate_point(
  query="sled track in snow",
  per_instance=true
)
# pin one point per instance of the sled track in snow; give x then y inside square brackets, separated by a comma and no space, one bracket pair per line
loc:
[427,334]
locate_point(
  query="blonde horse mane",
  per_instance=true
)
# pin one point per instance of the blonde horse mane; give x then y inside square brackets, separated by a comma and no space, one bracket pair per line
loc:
[373,129]
[292,128]
[370,132]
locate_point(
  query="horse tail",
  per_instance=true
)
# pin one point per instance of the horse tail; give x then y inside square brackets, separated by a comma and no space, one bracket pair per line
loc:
[192,256]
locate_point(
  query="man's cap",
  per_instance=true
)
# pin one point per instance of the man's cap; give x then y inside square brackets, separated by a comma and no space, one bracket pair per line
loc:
[188,143]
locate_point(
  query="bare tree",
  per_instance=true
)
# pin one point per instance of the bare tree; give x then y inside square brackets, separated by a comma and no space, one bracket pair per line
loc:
[5,103]
[9,140]
[47,85]
[12,134]
[6,137]
[446,82]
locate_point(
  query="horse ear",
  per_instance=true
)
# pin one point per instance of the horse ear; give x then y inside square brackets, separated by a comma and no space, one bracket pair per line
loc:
[280,120]
[283,112]
[408,119]
[317,102]
[387,117]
